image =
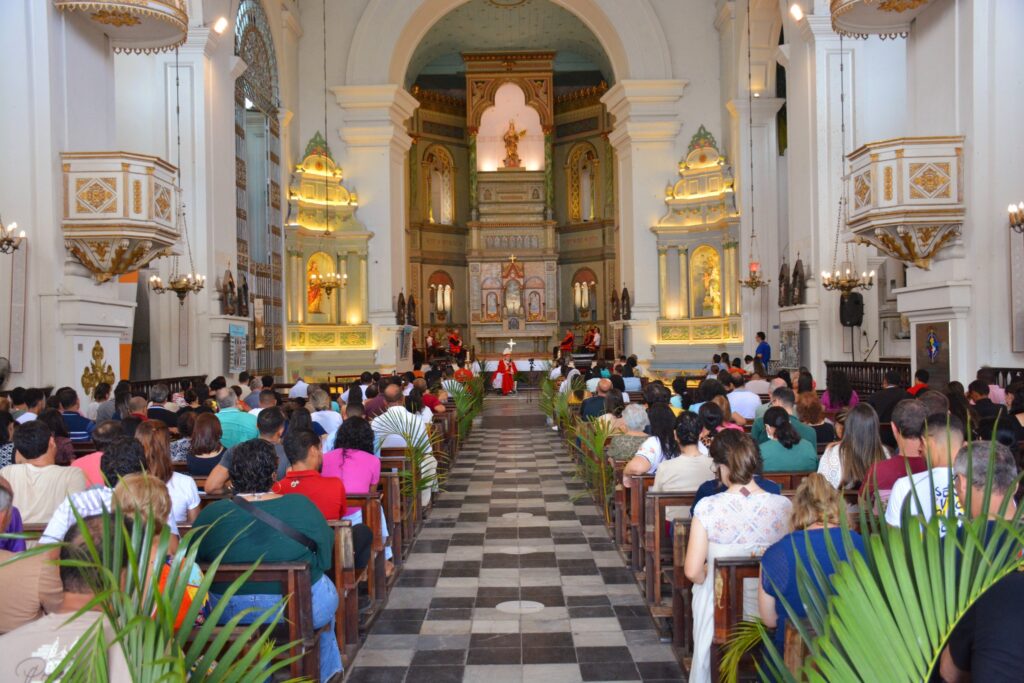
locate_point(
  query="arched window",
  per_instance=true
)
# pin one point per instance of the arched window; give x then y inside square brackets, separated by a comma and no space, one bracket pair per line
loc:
[440,179]
[581,167]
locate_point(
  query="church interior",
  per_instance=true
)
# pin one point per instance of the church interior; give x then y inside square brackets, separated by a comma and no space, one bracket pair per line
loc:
[307,190]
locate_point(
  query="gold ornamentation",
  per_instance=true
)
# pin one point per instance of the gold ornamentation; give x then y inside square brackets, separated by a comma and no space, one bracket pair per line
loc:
[97,371]
[887,183]
[115,18]
[900,5]
[719,589]
[162,203]
[930,180]
[916,245]
[862,190]
[137,195]
[95,195]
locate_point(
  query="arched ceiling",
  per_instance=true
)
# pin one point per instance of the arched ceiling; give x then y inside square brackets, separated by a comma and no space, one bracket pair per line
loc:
[493,25]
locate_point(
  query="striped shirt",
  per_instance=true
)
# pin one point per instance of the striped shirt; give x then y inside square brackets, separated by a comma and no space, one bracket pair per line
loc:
[79,427]
[92,501]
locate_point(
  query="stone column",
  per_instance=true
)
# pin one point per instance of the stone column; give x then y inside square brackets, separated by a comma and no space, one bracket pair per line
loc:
[663,298]
[343,296]
[671,293]
[373,130]
[646,115]
[684,283]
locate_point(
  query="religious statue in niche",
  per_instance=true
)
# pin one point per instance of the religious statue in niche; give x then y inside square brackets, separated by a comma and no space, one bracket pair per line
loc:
[615,305]
[511,140]
[411,311]
[785,293]
[706,283]
[229,295]
[627,305]
[534,312]
[513,298]
[314,293]
[491,307]
[799,284]
[243,296]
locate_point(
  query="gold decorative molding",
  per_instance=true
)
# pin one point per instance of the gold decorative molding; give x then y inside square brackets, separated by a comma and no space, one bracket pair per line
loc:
[918,213]
[118,210]
[137,26]
[885,18]
[98,370]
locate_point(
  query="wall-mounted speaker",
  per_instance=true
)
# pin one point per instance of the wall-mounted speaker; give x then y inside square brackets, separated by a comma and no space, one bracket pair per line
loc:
[851,310]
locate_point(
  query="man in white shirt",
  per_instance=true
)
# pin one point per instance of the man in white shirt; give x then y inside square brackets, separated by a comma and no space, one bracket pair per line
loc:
[35,401]
[930,488]
[396,423]
[741,401]
[300,389]
[364,381]
[320,407]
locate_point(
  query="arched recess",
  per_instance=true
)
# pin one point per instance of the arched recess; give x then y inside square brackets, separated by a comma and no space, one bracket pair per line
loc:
[441,290]
[258,184]
[439,184]
[765,26]
[584,294]
[583,183]
[389,31]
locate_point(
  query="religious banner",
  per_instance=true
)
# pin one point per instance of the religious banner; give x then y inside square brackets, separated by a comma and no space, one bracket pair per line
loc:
[932,340]
[238,340]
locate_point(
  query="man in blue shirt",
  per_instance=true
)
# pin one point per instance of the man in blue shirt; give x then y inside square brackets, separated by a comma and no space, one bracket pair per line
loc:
[764,350]
[79,426]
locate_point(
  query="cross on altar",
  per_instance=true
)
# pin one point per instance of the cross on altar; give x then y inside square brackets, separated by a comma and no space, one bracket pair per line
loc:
[512,344]
[512,258]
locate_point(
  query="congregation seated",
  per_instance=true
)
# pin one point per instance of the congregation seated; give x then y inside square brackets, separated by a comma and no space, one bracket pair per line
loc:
[415,405]
[236,426]
[908,419]
[155,438]
[689,468]
[38,482]
[160,408]
[659,446]
[743,520]
[815,523]
[785,451]
[811,412]
[321,412]
[784,398]
[105,432]
[593,407]
[846,463]
[928,492]
[270,425]
[10,520]
[7,424]
[392,427]
[35,402]
[743,403]
[258,524]
[624,446]
[182,446]
[719,483]
[612,411]
[32,647]
[758,381]
[79,427]
[51,417]
[205,449]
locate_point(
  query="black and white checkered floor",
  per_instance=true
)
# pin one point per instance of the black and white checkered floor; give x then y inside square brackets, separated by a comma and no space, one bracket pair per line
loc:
[511,581]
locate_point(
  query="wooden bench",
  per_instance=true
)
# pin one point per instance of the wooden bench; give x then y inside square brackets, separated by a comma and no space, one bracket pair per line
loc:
[370,506]
[390,488]
[410,510]
[639,484]
[729,575]
[682,590]
[787,480]
[82,448]
[658,549]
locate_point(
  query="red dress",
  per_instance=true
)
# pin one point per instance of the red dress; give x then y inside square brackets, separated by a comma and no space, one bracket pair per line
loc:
[567,342]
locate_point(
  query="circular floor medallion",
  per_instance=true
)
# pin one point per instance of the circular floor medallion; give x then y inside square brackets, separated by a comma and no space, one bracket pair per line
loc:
[519,607]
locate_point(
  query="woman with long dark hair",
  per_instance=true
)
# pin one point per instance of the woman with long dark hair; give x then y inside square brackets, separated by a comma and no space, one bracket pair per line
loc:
[846,463]
[839,394]
[785,451]
[661,445]
[155,438]
[962,408]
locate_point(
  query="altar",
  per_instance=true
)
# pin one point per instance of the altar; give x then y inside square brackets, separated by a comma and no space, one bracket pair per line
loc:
[530,343]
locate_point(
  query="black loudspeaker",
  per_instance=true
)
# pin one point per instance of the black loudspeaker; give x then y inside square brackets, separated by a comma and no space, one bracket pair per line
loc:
[851,310]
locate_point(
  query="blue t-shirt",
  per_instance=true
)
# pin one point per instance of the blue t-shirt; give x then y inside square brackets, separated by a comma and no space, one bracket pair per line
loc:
[779,571]
[764,350]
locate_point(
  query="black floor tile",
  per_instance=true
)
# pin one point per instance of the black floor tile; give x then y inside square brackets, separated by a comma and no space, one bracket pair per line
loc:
[505,655]
[495,640]
[451,603]
[377,674]
[598,611]
[609,671]
[603,654]
[534,532]
[587,600]
[403,615]
[436,674]
[453,614]
[397,628]
[466,539]
[617,575]
[549,655]
[431,546]
[660,671]
[439,658]
[531,640]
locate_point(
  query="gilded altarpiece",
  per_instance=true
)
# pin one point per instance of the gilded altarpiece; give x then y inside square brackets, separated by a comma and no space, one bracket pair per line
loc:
[697,255]
[323,238]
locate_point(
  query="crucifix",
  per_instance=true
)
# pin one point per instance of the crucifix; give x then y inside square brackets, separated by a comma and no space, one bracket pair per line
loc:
[512,344]
[512,259]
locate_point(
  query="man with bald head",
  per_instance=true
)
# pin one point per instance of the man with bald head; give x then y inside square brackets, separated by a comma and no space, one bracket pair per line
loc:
[593,407]
[396,426]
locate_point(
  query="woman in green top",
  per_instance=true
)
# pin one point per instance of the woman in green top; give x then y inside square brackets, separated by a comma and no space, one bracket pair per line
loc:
[248,539]
[785,451]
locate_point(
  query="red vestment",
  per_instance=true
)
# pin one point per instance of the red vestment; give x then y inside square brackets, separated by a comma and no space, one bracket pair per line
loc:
[567,342]
[454,345]
[507,373]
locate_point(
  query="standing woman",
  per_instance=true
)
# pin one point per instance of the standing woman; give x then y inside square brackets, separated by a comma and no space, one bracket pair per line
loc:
[846,463]
[839,394]
[743,521]
[156,443]
[659,446]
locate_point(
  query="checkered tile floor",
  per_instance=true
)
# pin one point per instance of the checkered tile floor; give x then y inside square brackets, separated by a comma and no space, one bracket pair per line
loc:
[511,581]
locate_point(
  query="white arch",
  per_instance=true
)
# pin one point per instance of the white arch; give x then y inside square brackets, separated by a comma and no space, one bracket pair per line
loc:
[389,32]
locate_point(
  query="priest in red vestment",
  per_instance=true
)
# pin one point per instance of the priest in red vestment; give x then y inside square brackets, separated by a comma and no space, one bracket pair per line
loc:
[568,340]
[588,340]
[455,347]
[505,376]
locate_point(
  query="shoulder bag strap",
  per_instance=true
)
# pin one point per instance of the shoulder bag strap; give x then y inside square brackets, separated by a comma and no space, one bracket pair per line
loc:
[286,529]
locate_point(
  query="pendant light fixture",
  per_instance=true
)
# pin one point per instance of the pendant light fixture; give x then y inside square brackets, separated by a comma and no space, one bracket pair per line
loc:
[755,279]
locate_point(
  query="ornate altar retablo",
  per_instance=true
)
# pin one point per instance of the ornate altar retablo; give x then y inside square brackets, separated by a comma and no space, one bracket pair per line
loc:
[140,26]
[697,251]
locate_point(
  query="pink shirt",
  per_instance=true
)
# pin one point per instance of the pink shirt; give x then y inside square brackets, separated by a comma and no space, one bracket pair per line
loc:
[827,404]
[90,465]
[358,470]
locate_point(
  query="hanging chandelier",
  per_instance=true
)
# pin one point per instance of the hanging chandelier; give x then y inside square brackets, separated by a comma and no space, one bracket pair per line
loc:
[844,279]
[182,284]
[328,282]
[754,280]
[10,239]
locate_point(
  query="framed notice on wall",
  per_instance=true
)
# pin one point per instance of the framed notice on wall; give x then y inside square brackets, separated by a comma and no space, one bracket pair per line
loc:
[932,351]
[238,351]
[259,332]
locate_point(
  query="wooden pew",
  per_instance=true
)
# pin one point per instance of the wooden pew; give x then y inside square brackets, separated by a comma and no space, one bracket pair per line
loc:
[297,624]
[682,595]
[410,510]
[639,484]
[83,448]
[729,574]
[620,506]
[658,550]
[343,573]
[787,480]
[370,505]
[391,500]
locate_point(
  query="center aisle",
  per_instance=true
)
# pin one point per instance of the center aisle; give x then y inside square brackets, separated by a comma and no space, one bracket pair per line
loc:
[509,581]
